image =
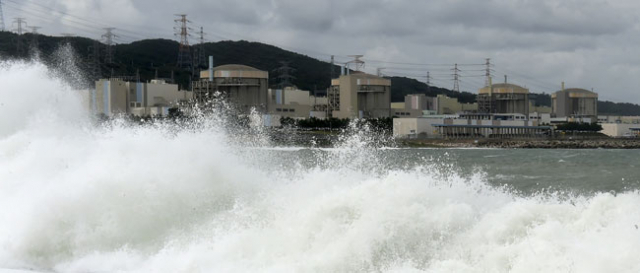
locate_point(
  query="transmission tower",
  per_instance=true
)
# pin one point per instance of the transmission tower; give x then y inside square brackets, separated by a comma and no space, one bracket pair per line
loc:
[34,36]
[331,72]
[358,63]
[379,71]
[34,29]
[285,76]
[94,60]
[456,78]
[200,59]
[17,22]
[2,27]
[428,82]
[108,42]
[184,52]
[487,72]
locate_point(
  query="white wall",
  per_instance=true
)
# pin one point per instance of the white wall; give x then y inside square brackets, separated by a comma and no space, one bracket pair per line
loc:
[408,127]
[618,129]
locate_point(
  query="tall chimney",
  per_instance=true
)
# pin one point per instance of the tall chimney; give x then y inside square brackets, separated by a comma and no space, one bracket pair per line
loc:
[562,86]
[210,68]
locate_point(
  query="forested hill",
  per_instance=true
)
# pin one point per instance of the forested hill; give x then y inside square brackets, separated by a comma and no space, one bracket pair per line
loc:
[148,57]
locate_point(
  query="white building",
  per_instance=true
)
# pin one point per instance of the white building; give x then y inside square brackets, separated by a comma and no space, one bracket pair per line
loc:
[621,129]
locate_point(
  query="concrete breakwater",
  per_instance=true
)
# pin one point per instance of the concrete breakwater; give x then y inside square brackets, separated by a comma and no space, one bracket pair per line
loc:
[609,143]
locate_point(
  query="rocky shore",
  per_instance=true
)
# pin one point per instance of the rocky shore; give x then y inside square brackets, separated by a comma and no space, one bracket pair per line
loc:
[608,143]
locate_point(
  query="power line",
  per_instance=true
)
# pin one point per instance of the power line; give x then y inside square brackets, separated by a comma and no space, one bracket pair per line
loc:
[200,54]
[418,64]
[19,22]
[87,25]
[108,41]
[285,76]
[357,61]
[184,52]
[1,17]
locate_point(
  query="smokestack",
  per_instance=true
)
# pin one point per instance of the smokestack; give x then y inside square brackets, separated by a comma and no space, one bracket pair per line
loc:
[341,70]
[210,68]
[562,86]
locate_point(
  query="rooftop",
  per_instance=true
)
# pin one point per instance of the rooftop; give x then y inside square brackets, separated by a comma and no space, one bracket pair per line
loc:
[504,88]
[235,67]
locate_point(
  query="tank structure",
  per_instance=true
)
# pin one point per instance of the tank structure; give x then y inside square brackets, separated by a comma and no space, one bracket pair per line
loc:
[244,86]
[503,98]
[575,103]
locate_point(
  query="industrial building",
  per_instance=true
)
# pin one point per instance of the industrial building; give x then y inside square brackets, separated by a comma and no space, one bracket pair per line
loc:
[575,103]
[295,103]
[246,87]
[465,127]
[417,105]
[418,102]
[503,98]
[359,95]
[117,96]
[444,105]
[621,129]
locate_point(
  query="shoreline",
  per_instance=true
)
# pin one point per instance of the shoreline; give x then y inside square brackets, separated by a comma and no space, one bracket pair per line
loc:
[328,139]
[610,143]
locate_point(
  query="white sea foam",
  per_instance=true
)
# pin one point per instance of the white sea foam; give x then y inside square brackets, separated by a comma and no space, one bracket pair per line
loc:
[75,197]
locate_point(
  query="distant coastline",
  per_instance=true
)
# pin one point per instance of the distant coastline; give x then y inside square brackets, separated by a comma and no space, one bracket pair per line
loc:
[320,138]
[603,143]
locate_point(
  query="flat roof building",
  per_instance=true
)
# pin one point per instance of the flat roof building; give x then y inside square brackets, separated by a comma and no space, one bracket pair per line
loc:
[359,95]
[117,96]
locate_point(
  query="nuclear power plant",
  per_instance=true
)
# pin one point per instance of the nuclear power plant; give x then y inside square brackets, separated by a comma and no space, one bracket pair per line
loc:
[244,86]
[503,98]
[574,103]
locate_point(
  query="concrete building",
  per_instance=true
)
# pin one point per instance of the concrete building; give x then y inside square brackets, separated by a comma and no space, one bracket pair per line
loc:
[412,113]
[398,105]
[444,105]
[461,127]
[244,86]
[421,127]
[619,119]
[155,97]
[288,102]
[116,96]
[359,95]
[503,98]
[418,102]
[574,102]
[539,109]
[471,125]
[110,97]
[621,129]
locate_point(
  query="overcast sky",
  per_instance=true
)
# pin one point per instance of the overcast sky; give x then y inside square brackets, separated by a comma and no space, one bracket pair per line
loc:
[537,43]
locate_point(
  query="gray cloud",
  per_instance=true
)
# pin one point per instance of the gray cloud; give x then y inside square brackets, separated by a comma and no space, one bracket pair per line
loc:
[586,43]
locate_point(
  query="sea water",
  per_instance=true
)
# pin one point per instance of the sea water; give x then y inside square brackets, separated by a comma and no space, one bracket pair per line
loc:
[82,196]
